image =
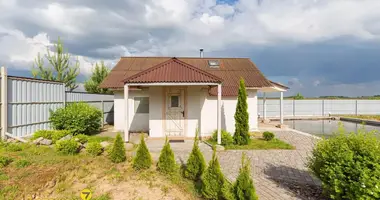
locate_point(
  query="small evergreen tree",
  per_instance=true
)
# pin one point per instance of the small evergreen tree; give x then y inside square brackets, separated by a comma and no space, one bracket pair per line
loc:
[142,160]
[241,136]
[166,162]
[196,163]
[212,180]
[117,153]
[244,188]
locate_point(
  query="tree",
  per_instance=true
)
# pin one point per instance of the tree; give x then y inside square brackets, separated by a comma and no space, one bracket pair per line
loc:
[166,162]
[298,96]
[244,188]
[196,163]
[99,73]
[143,159]
[60,68]
[241,136]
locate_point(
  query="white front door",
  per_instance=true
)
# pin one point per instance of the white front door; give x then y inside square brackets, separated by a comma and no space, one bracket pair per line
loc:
[175,111]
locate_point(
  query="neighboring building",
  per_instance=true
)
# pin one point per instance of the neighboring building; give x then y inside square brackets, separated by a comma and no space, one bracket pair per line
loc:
[174,96]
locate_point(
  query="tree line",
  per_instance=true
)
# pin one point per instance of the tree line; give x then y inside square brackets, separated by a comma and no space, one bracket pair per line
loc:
[58,65]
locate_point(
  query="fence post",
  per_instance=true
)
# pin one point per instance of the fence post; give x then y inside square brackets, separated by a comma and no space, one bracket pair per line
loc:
[323,107]
[4,102]
[356,107]
[294,107]
[102,113]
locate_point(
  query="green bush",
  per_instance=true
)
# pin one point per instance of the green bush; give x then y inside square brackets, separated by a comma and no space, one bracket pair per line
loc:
[94,148]
[142,160]
[244,188]
[67,147]
[53,135]
[79,118]
[226,137]
[117,152]
[5,161]
[212,180]
[22,163]
[166,162]
[241,136]
[196,163]
[348,165]
[81,138]
[268,136]
[13,147]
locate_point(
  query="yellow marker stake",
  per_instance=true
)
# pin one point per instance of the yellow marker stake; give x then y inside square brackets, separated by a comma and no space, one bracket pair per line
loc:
[85,194]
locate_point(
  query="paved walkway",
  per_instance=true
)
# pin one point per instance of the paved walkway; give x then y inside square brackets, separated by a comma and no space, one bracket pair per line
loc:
[278,174]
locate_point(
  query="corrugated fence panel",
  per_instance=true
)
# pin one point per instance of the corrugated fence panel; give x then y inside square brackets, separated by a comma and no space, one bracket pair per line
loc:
[29,102]
[320,107]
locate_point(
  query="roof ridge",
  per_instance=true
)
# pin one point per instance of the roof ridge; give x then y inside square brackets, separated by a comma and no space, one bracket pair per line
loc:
[197,69]
[184,57]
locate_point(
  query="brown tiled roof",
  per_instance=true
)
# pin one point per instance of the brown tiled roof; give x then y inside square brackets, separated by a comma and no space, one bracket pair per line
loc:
[173,71]
[280,85]
[230,71]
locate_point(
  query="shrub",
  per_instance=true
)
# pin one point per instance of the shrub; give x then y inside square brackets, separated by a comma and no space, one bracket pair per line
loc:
[348,165]
[67,147]
[94,148]
[268,136]
[5,161]
[79,118]
[53,135]
[81,138]
[212,180]
[13,147]
[244,188]
[22,163]
[142,160]
[166,162]
[117,152]
[226,137]
[241,136]
[196,163]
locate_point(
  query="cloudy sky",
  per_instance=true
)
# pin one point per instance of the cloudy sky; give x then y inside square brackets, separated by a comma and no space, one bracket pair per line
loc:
[317,47]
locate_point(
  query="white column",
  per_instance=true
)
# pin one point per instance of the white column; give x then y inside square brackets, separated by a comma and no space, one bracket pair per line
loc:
[264,105]
[4,103]
[281,107]
[219,118]
[126,114]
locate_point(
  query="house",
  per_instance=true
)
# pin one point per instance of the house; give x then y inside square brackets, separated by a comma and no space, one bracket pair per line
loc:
[173,97]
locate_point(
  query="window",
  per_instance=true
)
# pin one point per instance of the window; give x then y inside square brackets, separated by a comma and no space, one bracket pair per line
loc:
[174,101]
[141,105]
[213,63]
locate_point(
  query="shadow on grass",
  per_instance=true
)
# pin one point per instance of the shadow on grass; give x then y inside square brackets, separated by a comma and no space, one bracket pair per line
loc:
[298,182]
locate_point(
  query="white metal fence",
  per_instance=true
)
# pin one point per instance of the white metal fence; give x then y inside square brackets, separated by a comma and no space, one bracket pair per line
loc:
[320,107]
[26,103]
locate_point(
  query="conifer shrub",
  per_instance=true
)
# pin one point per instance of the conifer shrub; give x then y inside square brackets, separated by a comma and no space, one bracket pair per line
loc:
[212,180]
[166,162]
[81,138]
[94,148]
[268,136]
[143,159]
[241,136]
[243,187]
[196,163]
[117,153]
[226,137]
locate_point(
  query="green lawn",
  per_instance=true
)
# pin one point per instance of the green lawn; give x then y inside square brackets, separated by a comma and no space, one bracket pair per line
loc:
[369,117]
[259,143]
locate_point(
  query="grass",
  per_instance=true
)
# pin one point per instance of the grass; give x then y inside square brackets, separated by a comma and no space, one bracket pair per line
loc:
[40,170]
[369,117]
[258,143]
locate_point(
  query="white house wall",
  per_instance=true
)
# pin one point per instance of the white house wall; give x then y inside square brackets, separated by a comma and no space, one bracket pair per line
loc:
[155,111]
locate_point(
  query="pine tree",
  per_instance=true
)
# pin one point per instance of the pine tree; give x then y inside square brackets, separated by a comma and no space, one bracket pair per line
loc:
[166,162]
[241,136]
[212,180]
[196,163]
[143,159]
[60,68]
[99,73]
[117,153]
[244,188]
